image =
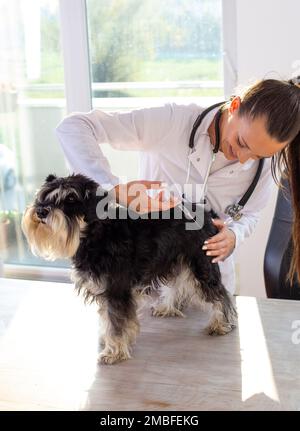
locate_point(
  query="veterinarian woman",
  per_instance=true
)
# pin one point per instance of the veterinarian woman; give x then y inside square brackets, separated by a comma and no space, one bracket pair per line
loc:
[263,122]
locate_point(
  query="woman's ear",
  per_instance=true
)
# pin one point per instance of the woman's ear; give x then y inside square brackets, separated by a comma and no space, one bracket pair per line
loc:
[234,104]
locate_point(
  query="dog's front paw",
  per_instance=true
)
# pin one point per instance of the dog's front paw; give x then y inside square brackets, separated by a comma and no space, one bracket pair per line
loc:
[161,310]
[106,358]
[220,328]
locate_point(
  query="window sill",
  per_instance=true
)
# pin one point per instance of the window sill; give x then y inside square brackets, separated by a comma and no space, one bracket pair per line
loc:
[40,273]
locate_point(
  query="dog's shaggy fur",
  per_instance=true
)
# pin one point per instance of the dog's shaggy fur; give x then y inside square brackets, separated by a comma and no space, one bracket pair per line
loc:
[115,259]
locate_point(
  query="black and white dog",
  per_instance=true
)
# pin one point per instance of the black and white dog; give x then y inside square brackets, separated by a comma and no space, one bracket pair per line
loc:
[114,259]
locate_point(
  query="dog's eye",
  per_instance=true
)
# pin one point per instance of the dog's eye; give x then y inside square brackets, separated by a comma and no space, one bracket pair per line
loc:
[71,198]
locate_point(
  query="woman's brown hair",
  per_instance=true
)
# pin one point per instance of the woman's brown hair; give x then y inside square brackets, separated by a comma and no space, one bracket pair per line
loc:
[279,103]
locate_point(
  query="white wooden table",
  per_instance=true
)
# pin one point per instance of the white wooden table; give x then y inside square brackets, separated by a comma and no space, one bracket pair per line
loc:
[49,346]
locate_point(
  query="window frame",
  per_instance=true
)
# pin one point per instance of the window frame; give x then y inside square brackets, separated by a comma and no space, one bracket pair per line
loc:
[229,33]
[75,50]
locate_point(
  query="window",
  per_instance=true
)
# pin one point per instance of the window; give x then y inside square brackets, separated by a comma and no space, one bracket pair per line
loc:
[148,52]
[31,105]
[152,48]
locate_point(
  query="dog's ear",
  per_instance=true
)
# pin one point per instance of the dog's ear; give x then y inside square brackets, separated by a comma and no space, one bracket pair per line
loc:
[96,203]
[94,191]
[50,178]
[90,190]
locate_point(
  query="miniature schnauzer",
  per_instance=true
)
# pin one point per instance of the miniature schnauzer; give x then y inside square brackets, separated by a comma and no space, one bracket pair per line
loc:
[114,259]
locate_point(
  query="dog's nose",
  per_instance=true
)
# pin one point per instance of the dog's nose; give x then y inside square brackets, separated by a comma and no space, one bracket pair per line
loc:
[42,212]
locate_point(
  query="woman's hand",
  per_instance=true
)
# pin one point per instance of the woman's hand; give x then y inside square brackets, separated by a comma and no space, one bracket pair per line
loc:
[134,195]
[221,245]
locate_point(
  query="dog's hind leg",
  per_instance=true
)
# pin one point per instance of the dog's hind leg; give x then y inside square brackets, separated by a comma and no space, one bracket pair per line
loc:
[120,327]
[168,304]
[175,295]
[224,315]
[210,289]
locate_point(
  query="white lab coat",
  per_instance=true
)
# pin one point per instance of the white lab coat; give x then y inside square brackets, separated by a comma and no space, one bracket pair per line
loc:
[162,135]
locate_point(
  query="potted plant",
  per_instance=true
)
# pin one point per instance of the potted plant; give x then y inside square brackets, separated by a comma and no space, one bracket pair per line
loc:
[4,232]
[9,227]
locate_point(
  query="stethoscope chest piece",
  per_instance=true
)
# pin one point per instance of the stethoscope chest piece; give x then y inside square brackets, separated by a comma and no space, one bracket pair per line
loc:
[234,211]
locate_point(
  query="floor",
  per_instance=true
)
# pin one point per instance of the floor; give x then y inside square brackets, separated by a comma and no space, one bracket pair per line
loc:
[49,346]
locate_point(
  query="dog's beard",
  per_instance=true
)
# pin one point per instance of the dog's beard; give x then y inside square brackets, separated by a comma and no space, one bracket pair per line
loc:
[53,238]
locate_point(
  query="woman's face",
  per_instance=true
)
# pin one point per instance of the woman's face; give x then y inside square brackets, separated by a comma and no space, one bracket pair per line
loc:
[243,138]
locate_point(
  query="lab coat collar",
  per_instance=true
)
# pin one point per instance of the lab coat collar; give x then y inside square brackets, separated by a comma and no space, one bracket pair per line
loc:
[247,165]
[203,128]
[202,152]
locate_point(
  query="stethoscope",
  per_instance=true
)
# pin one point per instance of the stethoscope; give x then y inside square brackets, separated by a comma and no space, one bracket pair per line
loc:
[233,211]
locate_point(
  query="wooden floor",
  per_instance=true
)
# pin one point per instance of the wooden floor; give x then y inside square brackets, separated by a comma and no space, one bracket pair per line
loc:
[49,345]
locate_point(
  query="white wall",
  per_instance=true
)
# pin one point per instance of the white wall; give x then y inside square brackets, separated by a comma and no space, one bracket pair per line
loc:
[268,35]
